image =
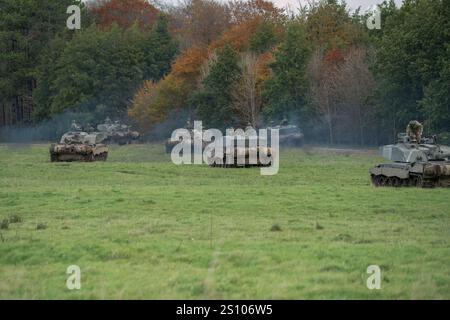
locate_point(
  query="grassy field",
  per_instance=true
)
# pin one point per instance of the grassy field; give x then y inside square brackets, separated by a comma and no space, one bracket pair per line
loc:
[140,227]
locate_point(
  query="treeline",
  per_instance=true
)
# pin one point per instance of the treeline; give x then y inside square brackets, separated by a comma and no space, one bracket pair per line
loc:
[230,64]
[94,71]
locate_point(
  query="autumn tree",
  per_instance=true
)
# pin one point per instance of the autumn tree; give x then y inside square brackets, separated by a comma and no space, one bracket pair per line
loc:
[199,22]
[246,94]
[323,88]
[341,84]
[154,102]
[238,36]
[357,86]
[242,11]
[202,22]
[124,13]
[140,112]
[201,82]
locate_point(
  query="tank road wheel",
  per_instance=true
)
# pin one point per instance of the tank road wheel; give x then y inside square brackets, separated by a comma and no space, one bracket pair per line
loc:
[406,182]
[89,157]
[417,181]
[53,158]
[382,181]
[430,183]
[101,157]
[389,182]
[396,182]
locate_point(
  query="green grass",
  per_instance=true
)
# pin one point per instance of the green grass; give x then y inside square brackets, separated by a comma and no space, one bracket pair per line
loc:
[140,227]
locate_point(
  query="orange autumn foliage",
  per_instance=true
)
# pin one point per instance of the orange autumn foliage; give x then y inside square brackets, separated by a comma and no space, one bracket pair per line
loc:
[334,56]
[242,11]
[124,13]
[264,70]
[173,91]
[153,101]
[187,66]
[239,35]
[200,22]
[144,97]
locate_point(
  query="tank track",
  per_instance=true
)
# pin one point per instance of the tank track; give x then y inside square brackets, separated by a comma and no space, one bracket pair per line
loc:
[234,165]
[85,158]
[224,164]
[101,157]
[416,181]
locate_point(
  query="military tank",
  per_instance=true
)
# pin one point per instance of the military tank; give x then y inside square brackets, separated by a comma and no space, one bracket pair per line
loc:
[247,154]
[290,135]
[117,132]
[417,161]
[79,146]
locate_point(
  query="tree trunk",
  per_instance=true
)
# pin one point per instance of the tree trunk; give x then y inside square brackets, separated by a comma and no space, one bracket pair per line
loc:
[330,129]
[361,127]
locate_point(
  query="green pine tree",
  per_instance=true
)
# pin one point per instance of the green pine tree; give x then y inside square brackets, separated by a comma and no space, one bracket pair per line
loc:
[285,92]
[213,102]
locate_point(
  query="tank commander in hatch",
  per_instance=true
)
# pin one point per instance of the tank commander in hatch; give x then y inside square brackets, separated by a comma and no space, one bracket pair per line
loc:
[414,131]
[75,126]
[108,120]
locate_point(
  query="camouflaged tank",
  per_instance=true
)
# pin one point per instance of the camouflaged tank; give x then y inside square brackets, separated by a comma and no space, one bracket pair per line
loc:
[118,133]
[290,135]
[79,146]
[242,154]
[417,162]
